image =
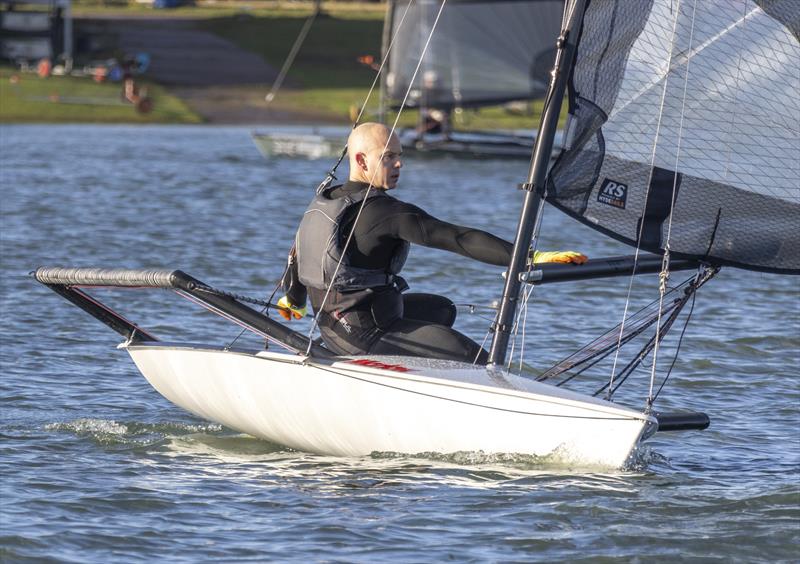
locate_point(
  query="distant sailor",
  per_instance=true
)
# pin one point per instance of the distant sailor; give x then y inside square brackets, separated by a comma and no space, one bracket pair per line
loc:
[365,311]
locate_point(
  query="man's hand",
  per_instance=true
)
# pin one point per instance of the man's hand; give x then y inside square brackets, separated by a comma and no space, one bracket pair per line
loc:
[288,310]
[573,257]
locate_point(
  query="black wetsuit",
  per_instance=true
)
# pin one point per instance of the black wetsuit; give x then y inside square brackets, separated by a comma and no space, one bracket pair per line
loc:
[383,320]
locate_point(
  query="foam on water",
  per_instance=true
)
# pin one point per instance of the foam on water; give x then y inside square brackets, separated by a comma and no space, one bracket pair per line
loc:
[109,432]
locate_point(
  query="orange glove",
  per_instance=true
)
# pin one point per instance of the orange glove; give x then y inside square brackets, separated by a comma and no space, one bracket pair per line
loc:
[288,310]
[573,257]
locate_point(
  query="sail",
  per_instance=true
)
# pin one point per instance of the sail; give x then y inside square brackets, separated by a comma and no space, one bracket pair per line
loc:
[482,52]
[684,129]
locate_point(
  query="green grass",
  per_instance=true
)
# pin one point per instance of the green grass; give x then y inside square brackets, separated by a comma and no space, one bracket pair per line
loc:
[221,8]
[326,75]
[68,99]
[326,81]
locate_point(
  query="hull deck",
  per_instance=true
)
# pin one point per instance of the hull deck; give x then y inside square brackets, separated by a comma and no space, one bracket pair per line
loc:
[362,405]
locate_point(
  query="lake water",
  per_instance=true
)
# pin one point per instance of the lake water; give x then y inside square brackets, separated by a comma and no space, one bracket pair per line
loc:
[97,467]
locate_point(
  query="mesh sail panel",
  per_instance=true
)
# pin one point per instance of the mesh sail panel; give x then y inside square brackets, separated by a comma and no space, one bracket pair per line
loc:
[691,102]
[481,52]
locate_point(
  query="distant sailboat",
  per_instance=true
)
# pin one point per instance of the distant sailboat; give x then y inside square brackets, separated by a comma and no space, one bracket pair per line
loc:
[483,53]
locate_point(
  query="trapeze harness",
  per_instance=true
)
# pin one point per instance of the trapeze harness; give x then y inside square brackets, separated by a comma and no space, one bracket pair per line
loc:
[365,311]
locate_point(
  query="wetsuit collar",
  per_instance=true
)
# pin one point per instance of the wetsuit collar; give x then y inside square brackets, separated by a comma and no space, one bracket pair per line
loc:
[353,186]
[348,189]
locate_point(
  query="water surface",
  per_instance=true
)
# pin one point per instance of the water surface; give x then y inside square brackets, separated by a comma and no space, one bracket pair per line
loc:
[98,467]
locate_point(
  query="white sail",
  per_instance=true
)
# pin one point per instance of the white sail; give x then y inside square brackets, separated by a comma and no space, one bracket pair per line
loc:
[695,102]
[482,52]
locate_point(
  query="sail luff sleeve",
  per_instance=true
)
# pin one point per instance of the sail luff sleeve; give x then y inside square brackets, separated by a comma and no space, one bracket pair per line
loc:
[692,100]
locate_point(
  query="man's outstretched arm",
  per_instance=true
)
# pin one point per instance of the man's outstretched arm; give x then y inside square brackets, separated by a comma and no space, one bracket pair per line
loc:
[417,226]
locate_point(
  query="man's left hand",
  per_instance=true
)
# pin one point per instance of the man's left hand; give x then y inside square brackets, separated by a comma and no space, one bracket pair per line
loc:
[564,257]
[288,310]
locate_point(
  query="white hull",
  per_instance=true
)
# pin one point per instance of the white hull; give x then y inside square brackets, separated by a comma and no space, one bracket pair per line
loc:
[458,143]
[347,409]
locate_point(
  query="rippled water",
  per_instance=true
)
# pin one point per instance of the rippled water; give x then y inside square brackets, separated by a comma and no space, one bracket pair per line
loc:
[97,467]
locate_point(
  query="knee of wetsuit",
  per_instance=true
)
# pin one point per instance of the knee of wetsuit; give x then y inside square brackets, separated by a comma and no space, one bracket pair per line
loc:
[443,310]
[387,307]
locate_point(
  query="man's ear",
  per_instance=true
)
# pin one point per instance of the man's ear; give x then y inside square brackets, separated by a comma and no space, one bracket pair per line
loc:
[361,159]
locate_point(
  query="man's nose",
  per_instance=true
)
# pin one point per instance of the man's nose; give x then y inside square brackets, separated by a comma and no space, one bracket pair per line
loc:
[398,164]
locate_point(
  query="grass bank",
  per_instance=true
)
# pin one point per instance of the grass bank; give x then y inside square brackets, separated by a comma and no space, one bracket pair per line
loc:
[326,74]
[27,98]
[326,80]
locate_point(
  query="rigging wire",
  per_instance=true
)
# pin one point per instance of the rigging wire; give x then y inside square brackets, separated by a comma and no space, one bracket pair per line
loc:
[528,292]
[332,172]
[522,312]
[664,275]
[641,218]
[677,348]
[603,345]
[293,53]
[331,175]
[315,321]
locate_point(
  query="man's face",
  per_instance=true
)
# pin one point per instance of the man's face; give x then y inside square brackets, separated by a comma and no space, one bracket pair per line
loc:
[383,167]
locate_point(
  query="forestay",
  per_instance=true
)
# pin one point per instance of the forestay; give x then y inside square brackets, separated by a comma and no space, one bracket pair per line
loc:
[691,102]
[483,52]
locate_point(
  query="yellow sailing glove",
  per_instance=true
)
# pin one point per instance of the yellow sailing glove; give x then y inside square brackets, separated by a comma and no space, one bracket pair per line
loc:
[573,257]
[288,310]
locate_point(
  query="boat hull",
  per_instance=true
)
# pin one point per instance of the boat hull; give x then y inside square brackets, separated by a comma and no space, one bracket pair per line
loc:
[361,406]
[457,144]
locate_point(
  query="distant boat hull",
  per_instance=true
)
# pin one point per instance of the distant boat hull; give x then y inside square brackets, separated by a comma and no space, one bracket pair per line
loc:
[355,407]
[457,144]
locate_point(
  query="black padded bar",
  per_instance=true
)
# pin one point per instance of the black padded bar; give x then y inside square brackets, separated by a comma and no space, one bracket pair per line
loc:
[602,268]
[65,282]
[247,315]
[113,277]
[103,313]
[691,421]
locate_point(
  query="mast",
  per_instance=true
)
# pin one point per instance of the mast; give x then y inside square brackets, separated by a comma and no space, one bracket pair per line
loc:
[386,37]
[537,175]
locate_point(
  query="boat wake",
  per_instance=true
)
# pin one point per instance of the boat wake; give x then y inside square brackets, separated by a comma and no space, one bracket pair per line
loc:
[107,432]
[560,460]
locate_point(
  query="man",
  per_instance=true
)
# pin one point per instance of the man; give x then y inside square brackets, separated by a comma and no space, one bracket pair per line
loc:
[360,297]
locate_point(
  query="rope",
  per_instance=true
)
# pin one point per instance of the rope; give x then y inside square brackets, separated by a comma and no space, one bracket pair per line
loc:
[237,297]
[315,322]
[292,54]
[641,219]
[653,398]
[603,345]
[597,350]
[331,173]
[664,274]
[701,279]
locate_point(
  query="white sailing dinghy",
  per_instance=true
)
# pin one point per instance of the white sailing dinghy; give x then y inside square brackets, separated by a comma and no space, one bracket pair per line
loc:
[682,141]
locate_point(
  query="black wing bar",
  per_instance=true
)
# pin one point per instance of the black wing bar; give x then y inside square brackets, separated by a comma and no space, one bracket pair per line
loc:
[68,282]
[603,268]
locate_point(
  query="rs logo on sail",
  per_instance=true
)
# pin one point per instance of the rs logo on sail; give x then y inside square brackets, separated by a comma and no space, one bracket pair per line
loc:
[613,193]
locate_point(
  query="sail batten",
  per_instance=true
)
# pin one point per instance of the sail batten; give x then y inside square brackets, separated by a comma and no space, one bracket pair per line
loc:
[694,102]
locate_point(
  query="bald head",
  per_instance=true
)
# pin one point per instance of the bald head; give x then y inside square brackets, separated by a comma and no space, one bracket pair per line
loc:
[374,155]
